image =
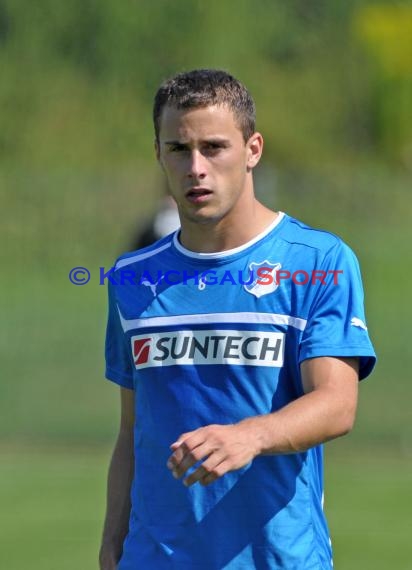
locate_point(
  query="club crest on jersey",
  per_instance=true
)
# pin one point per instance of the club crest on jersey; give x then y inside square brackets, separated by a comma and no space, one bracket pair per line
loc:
[265,278]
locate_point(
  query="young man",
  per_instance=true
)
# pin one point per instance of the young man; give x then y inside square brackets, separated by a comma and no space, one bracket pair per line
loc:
[238,343]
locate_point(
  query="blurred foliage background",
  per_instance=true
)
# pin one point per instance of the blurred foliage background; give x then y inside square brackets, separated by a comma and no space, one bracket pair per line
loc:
[333,88]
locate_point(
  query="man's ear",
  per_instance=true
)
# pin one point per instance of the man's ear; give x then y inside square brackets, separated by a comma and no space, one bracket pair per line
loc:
[254,147]
[157,149]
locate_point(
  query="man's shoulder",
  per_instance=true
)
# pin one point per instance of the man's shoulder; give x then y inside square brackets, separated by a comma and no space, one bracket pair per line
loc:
[296,232]
[132,257]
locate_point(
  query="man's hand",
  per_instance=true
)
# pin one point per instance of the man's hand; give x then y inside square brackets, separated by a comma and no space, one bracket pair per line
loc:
[221,448]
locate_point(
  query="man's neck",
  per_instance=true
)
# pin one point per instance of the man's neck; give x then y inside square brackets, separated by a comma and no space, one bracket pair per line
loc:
[223,235]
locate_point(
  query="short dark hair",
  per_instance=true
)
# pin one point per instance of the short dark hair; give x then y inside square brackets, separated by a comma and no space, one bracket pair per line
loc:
[204,87]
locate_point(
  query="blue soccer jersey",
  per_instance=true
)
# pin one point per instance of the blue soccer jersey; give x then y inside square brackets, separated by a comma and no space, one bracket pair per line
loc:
[213,339]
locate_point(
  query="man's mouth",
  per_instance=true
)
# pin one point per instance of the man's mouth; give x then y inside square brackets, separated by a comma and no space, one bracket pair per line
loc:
[198,194]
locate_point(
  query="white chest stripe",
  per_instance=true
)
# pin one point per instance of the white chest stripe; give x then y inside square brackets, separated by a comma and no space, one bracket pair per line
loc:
[213,318]
[139,257]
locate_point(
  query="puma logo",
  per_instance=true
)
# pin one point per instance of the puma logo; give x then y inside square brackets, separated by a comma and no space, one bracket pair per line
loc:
[153,286]
[355,322]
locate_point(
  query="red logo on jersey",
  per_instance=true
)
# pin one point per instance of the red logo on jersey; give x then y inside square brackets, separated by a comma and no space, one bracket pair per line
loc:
[141,348]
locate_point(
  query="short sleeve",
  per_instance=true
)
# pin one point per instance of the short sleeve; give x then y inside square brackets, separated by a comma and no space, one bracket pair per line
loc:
[336,324]
[118,359]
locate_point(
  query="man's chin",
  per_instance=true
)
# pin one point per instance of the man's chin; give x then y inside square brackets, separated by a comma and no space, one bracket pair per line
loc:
[202,216]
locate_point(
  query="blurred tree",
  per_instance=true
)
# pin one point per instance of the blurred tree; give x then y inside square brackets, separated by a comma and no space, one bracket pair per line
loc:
[78,77]
[386,32]
[4,22]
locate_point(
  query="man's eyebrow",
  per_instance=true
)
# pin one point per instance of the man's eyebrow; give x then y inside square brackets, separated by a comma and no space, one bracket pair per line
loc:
[217,139]
[212,139]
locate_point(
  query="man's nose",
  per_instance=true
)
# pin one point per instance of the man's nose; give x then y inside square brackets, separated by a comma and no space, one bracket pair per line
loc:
[197,166]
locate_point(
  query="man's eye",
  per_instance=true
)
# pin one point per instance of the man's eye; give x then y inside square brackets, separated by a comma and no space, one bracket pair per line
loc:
[178,148]
[213,147]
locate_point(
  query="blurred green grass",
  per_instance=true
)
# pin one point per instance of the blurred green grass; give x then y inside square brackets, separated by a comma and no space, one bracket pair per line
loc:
[52,507]
[52,502]
[367,500]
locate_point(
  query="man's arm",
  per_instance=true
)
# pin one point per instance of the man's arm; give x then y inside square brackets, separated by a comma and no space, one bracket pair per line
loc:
[118,487]
[326,410]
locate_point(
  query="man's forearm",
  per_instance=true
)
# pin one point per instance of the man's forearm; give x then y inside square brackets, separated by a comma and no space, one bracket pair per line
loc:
[306,422]
[118,502]
[327,411]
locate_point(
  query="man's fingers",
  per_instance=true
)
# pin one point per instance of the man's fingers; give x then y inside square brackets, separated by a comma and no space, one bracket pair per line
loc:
[216,450]
[186,444]
[213,468]
[181,439]
[177,456]
[183,459]
[190,440]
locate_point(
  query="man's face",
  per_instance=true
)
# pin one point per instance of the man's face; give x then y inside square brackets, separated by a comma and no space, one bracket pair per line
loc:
[206,161]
